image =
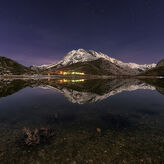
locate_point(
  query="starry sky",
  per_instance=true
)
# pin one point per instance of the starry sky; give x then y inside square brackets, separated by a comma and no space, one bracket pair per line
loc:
[35,32]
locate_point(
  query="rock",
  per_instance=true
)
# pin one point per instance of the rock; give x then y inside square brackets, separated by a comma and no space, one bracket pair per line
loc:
[98,130]
[36,136]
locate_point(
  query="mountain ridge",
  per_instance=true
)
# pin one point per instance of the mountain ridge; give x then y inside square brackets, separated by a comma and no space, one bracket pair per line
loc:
[96,63]
[9,66]
[84,62]
[81,55]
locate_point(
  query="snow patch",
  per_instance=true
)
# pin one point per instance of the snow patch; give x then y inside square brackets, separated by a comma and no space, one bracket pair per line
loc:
[81,55]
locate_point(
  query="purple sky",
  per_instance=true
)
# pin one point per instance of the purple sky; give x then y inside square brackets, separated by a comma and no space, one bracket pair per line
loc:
[43,31]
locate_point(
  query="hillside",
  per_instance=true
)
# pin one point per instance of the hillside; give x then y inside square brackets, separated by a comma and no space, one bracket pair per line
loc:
[83,56]
[160,63]
[96,67]
[157,71]
[81,62]
[95,63]
[8,66]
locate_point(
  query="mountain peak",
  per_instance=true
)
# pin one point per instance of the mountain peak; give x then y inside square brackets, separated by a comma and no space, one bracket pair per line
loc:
[82,55]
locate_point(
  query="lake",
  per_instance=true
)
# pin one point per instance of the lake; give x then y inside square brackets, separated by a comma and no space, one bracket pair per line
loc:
[81,121]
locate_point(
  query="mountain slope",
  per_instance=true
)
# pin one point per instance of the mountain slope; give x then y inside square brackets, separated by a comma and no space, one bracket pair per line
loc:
[160,63]
[91,62]
[8,66]
[81,55]
[97,67]
[157,71]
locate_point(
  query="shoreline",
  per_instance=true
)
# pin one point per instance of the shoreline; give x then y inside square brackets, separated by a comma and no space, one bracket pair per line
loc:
[76,77]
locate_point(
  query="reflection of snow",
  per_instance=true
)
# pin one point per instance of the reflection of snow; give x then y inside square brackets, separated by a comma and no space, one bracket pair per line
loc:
[84,97]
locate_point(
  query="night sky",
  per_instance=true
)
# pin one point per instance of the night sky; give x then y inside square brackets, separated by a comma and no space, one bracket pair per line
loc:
[43,31]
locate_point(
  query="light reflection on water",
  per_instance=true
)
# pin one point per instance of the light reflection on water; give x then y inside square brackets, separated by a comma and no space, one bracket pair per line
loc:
[94,120]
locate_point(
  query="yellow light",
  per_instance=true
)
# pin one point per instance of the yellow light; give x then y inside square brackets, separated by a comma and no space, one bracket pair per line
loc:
[65,80]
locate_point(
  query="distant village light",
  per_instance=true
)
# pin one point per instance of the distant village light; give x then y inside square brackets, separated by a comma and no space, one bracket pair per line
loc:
[69,73]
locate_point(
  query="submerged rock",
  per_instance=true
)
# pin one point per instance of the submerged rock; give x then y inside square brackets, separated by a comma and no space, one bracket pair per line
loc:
[98,130]
[37,136]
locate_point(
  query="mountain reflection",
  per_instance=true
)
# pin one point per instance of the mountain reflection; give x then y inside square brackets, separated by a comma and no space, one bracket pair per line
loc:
[82,91]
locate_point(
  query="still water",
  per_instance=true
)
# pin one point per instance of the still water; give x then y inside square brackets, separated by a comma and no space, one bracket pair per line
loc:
[47,121]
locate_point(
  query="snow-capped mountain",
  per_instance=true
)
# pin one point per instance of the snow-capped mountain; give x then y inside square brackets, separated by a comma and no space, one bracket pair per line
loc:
[81,55]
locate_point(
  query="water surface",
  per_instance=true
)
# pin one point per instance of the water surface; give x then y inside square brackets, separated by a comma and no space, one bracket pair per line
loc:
[94,121]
